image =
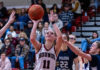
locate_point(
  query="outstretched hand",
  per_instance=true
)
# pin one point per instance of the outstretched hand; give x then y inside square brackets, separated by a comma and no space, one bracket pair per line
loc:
[12,17]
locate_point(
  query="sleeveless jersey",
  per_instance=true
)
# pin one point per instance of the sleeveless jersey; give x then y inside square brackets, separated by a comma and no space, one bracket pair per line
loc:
[45,59]
[95,63]
[65,60]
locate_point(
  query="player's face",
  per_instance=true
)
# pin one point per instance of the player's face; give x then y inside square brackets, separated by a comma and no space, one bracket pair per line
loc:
[64,46]
[50,36]
[72,39]
[93,48]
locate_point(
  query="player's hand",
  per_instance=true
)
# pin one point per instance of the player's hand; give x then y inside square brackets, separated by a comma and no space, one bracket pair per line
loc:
[12,17]
[36,21]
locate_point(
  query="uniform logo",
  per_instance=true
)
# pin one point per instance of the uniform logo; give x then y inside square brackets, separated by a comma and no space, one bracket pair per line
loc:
[45,54]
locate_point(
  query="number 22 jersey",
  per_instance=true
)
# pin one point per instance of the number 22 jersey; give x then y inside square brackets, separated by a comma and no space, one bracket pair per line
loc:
[65,60]
[45,59]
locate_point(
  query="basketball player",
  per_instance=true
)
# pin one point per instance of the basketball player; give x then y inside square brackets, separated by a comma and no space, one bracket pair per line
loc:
[66,56]
[5,63]
[46,54]
[11,20]
[93,57]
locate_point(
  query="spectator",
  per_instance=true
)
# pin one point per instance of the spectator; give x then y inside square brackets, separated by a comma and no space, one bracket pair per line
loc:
[66,1]
[21,53]
[96,3]
[23,35]
[55,8]
[13,40]
[45,28]
[12,32]
[23,16]
[4,62]
[28,29]
[51,12]
[33,2]
[40,37]
[85,5]
[1,23]
[1,26]
[1,45]
[66,16]
[59,23]
[3,11]
[31,57]
[45,17]
[8,48]
[76,8]
[85,45]
[22,20]
[66,57]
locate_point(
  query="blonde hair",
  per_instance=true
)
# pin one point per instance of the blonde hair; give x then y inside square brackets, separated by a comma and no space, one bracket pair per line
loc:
[23,34]
[72,35]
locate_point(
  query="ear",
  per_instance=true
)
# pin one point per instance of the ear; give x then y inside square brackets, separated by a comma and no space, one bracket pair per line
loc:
[98,50]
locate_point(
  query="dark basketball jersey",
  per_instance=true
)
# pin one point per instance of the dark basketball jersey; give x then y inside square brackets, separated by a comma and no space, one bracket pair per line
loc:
[95,63]
[65,60]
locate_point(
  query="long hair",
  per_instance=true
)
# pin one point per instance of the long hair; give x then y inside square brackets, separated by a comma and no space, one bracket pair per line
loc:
[97,35]
[98,45]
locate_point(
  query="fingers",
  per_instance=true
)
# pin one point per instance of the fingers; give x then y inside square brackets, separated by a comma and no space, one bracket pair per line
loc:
[36,21]
[13,13]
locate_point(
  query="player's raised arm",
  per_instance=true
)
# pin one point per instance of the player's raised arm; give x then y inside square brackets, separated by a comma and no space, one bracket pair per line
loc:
[11,20]
[78,52]
[59,35]
[33,40]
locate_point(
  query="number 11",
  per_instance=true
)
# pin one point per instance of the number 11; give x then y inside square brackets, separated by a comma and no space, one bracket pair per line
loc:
[46,64]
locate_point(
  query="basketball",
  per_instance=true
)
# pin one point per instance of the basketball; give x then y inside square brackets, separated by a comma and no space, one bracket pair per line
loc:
[36,12]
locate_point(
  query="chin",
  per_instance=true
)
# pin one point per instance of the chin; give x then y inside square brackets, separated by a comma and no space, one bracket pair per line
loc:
[49,40]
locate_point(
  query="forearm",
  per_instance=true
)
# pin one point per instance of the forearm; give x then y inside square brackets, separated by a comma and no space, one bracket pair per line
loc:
[78,51]
[2,31]
[58,32]
[33,32]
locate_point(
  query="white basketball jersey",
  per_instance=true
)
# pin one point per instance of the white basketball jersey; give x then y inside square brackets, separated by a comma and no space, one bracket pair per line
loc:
[45,59]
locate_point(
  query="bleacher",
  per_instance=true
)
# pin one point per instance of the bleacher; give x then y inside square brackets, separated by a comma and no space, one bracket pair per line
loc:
[83,27]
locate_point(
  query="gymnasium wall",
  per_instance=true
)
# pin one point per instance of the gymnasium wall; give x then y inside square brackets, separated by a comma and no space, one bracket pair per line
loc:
[26,3]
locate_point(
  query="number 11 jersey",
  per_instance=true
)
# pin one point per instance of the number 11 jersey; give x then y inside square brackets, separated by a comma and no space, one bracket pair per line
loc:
[45,59]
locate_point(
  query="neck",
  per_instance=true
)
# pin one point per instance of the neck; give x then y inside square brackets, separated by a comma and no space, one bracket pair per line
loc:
[64,48]
[48,44]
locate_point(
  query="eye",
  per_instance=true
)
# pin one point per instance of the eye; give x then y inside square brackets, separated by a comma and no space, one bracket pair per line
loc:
[52,33]
[47,33]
